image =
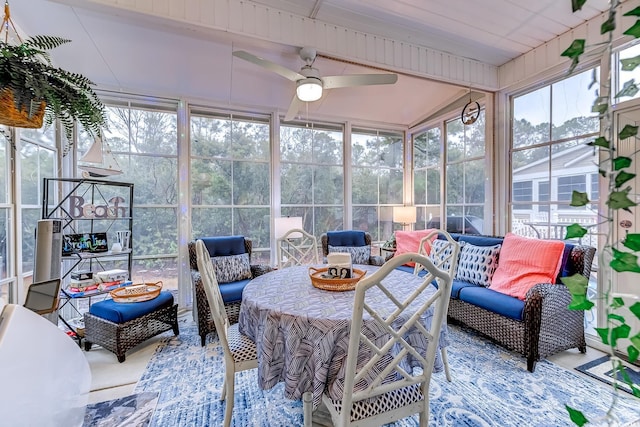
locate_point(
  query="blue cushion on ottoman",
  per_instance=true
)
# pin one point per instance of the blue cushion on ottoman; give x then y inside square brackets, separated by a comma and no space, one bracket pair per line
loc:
[121,312]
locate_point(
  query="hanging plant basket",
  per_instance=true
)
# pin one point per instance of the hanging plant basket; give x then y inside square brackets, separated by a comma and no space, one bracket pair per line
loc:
[30,116]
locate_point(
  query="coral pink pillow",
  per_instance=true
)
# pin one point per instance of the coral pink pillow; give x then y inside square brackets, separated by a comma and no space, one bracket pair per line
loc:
[524,263]
[409,241]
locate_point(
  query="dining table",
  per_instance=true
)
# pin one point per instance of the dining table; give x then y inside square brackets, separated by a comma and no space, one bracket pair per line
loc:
[302,332]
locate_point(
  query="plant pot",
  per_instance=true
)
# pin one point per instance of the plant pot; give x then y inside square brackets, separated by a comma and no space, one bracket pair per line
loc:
[26,117]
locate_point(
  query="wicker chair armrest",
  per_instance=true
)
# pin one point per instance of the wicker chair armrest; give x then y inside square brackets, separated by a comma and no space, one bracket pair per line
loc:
[376,260]
[260,269]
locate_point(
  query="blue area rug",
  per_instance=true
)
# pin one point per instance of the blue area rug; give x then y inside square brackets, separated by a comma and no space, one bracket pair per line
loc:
[490,387]
[602,370]
[131,411]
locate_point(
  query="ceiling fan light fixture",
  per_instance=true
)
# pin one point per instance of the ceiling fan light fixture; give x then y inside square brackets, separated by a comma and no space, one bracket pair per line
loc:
[309,89]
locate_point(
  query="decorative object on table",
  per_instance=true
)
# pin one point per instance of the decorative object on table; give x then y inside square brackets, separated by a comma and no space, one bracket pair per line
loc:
[137,292]
[321,280]
[84,242]
[34,90]
[98,161]
[340,266]
[124,238]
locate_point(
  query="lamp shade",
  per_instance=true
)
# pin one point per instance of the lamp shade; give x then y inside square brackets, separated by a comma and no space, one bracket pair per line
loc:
[309,89]
[284,224]
[404,214]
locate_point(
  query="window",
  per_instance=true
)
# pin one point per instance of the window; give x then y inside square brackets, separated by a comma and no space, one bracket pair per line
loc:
[465,172]
[143,138]
[595,190]
[523,192]
[38,160]
[426,175]
[551,126]
[230,178]
[312,175]
[568,184]
[543,196]
[377,169]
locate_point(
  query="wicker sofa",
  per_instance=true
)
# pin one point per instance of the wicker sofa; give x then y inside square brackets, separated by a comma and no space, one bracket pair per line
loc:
[231,290]
[537,327]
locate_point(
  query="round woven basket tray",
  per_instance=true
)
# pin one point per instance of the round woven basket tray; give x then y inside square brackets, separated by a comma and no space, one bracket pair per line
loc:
[336,285]
[137,293]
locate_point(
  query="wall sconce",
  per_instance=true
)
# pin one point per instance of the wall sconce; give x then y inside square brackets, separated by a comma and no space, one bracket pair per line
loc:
[284,224]
[404,215]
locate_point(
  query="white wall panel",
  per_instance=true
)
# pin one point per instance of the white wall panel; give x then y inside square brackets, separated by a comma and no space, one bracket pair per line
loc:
[534,63]
[145,5]
[252,19]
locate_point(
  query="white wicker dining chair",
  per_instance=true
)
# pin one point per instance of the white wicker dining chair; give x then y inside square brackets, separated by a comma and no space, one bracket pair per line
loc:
[445,254]
[379,385]
[297,247]
[239,351]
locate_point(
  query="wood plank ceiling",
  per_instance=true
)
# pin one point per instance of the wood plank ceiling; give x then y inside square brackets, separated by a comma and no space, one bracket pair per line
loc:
[440,48]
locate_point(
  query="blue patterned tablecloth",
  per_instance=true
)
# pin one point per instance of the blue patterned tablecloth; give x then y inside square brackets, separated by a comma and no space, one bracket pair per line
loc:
[302,333]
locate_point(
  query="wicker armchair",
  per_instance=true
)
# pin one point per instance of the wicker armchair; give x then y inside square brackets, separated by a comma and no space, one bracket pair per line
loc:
[349,241]
[201,311]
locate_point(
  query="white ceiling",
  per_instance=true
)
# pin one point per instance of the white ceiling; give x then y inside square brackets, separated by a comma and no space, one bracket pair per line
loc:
[130,52]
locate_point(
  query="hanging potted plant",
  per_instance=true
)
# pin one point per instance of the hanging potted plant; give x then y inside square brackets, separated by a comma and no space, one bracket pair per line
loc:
[32,90]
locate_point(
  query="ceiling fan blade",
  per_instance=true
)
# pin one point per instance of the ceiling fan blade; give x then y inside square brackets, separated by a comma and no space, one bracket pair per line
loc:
[331,82]
[271,66]
[294,107]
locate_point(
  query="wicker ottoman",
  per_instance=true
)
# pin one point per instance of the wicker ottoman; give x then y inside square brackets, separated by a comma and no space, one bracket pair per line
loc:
[119,327]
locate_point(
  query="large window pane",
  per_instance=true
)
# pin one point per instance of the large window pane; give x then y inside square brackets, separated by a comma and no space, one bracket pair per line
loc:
[312,175]
[532,118]
[377,170]
[231,177]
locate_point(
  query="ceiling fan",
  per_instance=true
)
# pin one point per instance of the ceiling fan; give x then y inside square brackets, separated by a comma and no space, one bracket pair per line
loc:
[309,83]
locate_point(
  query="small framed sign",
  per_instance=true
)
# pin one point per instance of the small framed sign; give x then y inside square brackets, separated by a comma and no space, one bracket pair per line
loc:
[84,242]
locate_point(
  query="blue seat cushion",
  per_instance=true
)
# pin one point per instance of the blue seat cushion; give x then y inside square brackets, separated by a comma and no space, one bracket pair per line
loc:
[232,291]
[406,269]
[567,268]
[121,312]
[458,285]
[224,245]
[346,238]
[479,240]
[491,300]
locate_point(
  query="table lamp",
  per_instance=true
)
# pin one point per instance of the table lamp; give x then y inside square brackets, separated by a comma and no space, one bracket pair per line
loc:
[404,215]
[284,224]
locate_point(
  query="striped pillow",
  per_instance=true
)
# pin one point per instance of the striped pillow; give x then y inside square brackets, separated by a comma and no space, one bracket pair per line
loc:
[524,263]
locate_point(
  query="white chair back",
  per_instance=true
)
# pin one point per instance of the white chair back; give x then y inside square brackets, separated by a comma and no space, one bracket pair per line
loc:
[444,253]
[214,298]
[297,247]
[380,367]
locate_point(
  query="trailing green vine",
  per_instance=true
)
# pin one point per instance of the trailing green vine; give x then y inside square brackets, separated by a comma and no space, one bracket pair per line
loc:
[618,256]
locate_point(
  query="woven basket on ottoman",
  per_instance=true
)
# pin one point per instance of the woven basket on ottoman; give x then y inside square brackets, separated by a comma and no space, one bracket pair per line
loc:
[119,327]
